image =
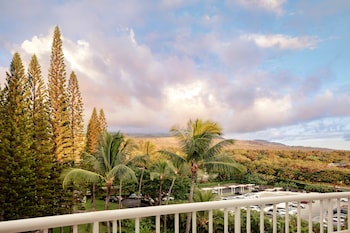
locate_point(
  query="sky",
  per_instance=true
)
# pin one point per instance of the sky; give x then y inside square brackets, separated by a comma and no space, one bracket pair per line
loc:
[275,70]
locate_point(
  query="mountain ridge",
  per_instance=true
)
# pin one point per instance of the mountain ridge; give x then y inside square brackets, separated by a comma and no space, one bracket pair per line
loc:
[167,140]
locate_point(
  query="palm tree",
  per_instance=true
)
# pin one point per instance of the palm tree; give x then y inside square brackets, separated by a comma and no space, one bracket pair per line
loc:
[177,168]
[147,149]
[107,166]
[160,171]
[201,152]
[203,216]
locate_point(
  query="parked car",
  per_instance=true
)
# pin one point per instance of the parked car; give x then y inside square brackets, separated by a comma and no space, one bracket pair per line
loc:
[134,196]
[342,211]
[170,198]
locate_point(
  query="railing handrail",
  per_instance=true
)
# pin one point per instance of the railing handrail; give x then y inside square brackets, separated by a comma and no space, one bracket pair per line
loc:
[132,213]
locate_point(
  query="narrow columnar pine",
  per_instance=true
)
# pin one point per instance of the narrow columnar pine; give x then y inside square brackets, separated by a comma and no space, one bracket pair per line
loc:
[42,139]
[59,101]
[17,160]
[93,133]
[3,178]
[60,123]
[76,118]
[103,122]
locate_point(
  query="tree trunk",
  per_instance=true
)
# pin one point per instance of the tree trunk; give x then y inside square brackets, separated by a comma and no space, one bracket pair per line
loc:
[120,204]
[140,184]
[120,194]
[93,196]
[167,202]
[190,200]
[160,192]
[108,194]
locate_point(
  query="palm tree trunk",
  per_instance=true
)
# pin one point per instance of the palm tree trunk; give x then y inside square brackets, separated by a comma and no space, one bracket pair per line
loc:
[140,183]
[120,204]
[160,192]
[170,190]
[190,200]
[108,194]
[120,194]
[167,202]
[93,196]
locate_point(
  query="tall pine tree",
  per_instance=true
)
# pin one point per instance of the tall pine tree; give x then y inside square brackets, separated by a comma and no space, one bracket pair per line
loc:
[17,157]
[60,123]
[42,139]
[93,133]
[59,102]
[76,118]
[103,121]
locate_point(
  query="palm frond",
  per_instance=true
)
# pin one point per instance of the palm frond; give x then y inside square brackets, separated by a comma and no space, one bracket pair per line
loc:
[204,196]
[77,175]
[122,172]
[175,158]
[224,167]
[217,148]
[139,160]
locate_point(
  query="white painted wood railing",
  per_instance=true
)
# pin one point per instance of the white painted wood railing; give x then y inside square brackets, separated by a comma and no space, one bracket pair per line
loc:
[320,206]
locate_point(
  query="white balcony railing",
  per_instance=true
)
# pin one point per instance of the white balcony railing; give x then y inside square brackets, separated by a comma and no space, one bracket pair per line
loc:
[319,208]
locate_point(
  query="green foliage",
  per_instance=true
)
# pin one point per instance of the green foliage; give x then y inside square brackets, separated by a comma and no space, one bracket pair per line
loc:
[294,168]
[318,188]
[93,134]
[17,158]
[286,185]
[76,118]
[108,165]
[42,139]
[59,101]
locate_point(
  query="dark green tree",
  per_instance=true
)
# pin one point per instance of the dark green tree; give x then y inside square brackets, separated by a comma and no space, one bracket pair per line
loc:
[17,160]
[42,139]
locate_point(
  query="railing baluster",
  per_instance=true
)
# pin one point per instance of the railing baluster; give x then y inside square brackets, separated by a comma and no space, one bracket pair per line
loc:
[322,216]
[310,215]
[177,223]
[210,221]
[329,216]
[237,220]
[95,227]
[338,214]
[348,214]
[248,220]
[226,220]
[137,225]
[114,226]
[298,218]
[262,219]
[158,224]
[75,228]
[274,219]
[194,222]
[287,217]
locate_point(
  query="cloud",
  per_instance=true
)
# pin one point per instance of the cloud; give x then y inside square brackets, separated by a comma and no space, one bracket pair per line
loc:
[138,88]
[282,41]
[275,6]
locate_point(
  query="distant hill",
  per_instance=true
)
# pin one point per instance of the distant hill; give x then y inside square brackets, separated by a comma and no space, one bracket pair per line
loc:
[163,141]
